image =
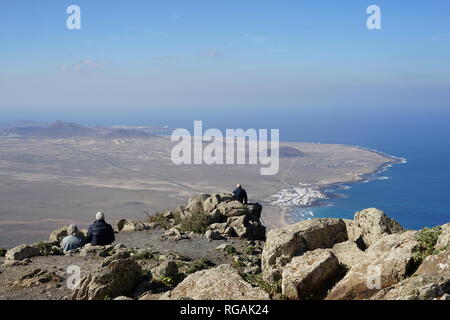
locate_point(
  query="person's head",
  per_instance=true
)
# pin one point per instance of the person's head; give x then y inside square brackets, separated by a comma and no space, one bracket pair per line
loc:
[238,185]
[72,230]
[100,216]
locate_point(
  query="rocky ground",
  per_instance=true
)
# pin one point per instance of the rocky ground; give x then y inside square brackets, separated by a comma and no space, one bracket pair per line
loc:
[215,248]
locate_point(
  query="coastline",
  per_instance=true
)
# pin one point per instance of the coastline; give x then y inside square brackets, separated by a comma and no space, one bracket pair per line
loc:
[286,215]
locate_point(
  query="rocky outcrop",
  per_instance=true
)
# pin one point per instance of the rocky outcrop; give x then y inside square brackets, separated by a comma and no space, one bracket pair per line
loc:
[370,225]
[385,263]
[226,218]
[309,274]
[220,283]
[118,278]
[22,252]
[348,253]
[167,269]
[443,241]
[101,251]
[437,264]
[421,287]
[285,243]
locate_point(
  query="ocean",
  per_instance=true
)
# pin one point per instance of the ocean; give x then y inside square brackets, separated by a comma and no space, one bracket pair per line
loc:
[415,193]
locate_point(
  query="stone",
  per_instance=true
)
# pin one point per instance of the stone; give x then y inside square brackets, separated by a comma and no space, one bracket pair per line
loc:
[195,204]
[118,278]
[37,277]
[421,287]
[123,298]
[386,262]
[213,235]
[247,227]
[255,209]
[348,253]
[372,224]
[438,264]
[211,202]
[216,217]
[100,251]
[285,243]
[125,225]
[221,227]
[443,241]
[309,274]
[167,269]
[220,283]
[119,255]
[22,252]
[233,209]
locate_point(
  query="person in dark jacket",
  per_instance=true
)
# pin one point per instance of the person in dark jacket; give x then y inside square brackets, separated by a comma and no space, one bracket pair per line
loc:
[100,233]
[240,194]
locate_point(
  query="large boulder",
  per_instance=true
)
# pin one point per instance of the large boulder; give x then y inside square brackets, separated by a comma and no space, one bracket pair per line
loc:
[119,278]
[348,253]
[125,225]
[247,227]
[195,204]
[166,269]
[59,234]
[211,202]
[438,264]
[309,274]
[285,243]
[421,287]
[22,252]
[220,283]
[369,225]
[385,263]
[255,209]
[233,209]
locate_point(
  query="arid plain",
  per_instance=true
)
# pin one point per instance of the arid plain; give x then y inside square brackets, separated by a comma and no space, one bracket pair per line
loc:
[50,182]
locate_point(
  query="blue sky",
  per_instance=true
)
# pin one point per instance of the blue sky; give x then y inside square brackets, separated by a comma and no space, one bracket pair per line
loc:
[174,56]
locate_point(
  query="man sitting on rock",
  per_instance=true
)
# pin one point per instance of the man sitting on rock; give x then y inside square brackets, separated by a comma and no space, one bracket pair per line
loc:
[100,233]
[73,240]
[240,194]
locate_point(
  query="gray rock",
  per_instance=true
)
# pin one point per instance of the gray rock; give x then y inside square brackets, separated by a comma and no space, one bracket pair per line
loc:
[22,252]
[168,268]
[118,278]
[285,243]
[233,209]
[421,287]
[309,274]
[386,262]
[371,225]
[220,283]
[125,225]
[348,253]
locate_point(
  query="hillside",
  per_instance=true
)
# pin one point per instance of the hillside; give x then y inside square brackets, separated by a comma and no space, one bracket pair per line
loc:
[215,248]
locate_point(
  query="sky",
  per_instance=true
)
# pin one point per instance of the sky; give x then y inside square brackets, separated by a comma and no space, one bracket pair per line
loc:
[195,56]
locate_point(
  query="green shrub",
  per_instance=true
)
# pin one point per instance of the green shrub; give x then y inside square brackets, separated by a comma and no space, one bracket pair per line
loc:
[427,238]
[257,281]
[230,250]
[200,264]
[46,249]
[2,252]
[144,255]
[198,222]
